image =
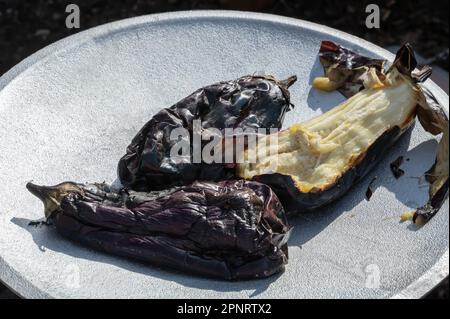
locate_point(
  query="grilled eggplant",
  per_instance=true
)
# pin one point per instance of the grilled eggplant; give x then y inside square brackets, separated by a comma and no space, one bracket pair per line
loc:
[316,162]
[230,230]
[248,103]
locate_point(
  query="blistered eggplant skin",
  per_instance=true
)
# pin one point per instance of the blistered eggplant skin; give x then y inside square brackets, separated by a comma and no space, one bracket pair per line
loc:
[296,201]
[230,230]
[250,102]
[347,68]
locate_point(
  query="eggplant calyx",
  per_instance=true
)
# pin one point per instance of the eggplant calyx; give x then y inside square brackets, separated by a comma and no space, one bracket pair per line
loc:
[287,83]
[405,60]
[406,63]
[52,196]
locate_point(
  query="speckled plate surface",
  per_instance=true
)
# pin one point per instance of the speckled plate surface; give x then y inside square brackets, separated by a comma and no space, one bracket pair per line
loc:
[69,111]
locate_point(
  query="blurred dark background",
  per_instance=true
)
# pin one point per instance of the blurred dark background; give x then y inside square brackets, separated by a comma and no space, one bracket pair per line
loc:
[27,26]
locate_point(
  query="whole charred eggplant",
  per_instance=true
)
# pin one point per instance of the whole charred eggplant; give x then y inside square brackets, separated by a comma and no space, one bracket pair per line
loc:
[250,102]
[316,162]
[230,230]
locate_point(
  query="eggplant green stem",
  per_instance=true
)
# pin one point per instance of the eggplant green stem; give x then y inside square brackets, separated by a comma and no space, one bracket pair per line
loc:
[52,196]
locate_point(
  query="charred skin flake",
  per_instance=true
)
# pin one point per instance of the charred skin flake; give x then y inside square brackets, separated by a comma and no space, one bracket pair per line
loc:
[395,167]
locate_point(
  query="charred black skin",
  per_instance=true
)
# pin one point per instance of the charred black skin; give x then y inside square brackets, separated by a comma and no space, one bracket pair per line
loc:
[341,65]
[425,213]
[296,201]
[250,102]
[230,230]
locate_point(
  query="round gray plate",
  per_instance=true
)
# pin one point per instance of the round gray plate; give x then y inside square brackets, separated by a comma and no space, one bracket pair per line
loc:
[69,111]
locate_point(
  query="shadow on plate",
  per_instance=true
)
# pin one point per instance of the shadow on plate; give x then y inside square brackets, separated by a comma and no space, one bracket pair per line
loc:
[416,162]
[308,225]
[47,238]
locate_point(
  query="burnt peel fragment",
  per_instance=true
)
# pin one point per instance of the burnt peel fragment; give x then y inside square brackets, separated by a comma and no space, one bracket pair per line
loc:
[247,103]
[395,167]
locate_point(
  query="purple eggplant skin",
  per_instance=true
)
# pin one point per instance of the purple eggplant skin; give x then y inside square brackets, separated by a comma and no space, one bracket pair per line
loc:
[230,230]
[435,121]
[295,201]
[248,103]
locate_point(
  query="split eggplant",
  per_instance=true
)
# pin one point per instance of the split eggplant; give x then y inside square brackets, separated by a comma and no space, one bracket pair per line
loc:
[315,162]
[248,103]
[229,230]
